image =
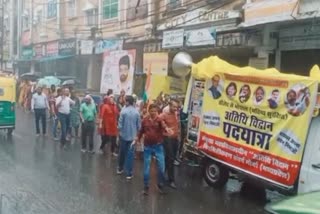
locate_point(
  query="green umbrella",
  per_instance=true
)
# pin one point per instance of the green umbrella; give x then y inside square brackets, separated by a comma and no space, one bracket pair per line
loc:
[302,204]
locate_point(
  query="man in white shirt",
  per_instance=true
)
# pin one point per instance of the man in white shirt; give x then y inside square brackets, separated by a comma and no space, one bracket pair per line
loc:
[63,104]
[40,105]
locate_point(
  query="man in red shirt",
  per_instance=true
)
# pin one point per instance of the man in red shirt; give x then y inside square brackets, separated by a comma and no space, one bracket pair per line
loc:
[171,124]
[152,129]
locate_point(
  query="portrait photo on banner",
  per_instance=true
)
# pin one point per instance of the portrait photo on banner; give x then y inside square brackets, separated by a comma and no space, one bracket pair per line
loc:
[297,99]
[216,86]
[118,71]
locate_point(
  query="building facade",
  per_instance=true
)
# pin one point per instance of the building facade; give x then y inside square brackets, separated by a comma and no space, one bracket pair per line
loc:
[68,38]
[8,34]
[72,38]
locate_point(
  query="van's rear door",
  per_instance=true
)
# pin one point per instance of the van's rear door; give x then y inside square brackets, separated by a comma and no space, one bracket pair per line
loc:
[7,110]
[309,180]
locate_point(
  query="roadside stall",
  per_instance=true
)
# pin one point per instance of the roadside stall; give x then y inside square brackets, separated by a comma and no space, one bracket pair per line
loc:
[254,123]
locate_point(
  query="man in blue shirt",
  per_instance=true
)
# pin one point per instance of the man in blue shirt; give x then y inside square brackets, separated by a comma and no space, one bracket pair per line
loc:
[129,125]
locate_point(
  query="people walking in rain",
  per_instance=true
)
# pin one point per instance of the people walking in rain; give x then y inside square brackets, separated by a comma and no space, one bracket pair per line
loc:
[151,130]
[40,106]
[75,115]
[121,102]
[171,139]
[52,99]
[109,115]
[128,125]
[54,113]
[63,104]
[88,112]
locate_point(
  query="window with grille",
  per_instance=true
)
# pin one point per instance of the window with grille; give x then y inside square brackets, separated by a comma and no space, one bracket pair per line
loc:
[39,17]
[92,17]
[71,9]
[51,9]
[26,20]
[110,9]
[174,4]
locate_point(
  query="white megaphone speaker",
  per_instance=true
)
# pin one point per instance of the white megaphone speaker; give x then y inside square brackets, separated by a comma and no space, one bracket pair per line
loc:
[181,64]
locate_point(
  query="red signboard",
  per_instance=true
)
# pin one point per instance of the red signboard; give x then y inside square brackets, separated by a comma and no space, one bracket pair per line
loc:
[260,164]
[52,48]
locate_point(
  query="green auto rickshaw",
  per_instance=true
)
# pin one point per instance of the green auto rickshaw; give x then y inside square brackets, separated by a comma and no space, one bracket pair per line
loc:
[7,103]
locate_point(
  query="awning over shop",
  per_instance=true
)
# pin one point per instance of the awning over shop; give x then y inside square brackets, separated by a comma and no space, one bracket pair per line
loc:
[46,59]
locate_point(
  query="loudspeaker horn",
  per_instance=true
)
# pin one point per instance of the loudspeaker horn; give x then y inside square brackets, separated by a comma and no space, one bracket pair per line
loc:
[181,64]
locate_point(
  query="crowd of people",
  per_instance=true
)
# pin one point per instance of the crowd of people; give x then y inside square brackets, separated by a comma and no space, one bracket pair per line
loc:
[128,127]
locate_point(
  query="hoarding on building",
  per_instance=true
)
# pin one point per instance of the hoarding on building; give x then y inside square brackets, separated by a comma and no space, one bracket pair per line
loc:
[268,11]
[198,16]
[118,71]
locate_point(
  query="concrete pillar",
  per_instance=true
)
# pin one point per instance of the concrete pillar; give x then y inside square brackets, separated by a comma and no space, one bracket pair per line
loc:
[90,72]
[278,59]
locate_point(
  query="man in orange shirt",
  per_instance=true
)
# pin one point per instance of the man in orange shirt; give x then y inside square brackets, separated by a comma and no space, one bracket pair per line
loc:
[171,134]
[109,124]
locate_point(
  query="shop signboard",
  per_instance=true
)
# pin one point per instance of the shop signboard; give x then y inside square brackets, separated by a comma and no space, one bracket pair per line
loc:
[39,51]
[27,53]
[108,45]
[198,16]
[26,38]
[67,47]
[231,39]
[201,37]
[6,55]
[9,65]
[86,47]
[173,38]
[52,49]
[155,63]
[268,11]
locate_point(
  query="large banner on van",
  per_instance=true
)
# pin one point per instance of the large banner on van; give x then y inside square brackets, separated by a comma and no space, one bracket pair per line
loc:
[258,122]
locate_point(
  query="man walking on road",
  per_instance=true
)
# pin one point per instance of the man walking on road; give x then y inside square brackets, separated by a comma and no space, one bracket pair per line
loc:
[108,123]
[128,125]
[88,114]
[63,104]
[170,122]
[151,129]
[40,105]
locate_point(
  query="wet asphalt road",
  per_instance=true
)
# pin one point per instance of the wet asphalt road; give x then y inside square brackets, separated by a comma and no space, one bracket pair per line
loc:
[37,176]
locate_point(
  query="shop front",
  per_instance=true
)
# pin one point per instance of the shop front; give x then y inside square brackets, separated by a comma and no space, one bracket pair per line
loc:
[24,64]
[299,47]
[56,58]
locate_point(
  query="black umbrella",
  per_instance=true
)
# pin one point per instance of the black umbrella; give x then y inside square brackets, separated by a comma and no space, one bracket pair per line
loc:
[29,76]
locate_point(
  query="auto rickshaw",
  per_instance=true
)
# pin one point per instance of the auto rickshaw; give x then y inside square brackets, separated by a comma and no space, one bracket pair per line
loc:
[7,103]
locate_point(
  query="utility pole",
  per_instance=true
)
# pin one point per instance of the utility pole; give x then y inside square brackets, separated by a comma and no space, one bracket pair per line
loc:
[92,64]
[2,33]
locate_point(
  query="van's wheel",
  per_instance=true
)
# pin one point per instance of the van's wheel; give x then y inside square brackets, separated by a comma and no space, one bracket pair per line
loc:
[9,132]
[215,174]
